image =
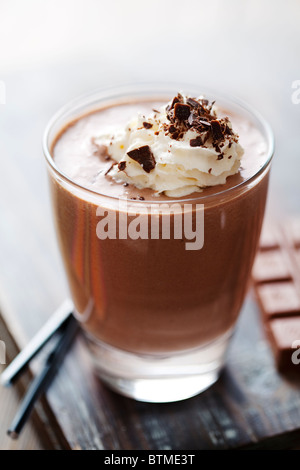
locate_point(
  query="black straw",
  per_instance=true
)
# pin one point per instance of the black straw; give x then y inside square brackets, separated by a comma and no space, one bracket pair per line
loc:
[51,327]
[43,380]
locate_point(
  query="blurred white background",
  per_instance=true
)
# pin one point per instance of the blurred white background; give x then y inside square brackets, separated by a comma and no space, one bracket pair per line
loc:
[229,44]
[225,43]
[53,50]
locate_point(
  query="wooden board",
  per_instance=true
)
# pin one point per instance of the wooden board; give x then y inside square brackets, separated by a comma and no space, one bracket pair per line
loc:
[251,405]
[9,400]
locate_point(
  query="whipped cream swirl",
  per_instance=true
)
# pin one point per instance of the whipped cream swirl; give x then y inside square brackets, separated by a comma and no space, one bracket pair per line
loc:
[178,149]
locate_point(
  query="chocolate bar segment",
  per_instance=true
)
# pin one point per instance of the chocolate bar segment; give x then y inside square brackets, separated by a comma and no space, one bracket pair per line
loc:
[271,265]
[276,276]
[279,299]
[269,237]
[292,231]
[297,258]
[284,335]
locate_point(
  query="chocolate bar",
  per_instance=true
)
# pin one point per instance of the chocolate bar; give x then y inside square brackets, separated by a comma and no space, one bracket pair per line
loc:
[276,278]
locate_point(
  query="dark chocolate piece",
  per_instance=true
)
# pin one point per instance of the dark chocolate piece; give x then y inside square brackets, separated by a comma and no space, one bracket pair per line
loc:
[197,142]
[198,116]
[144,156]
[182,111]
[174,101]
[147,125]
[193,103]
[122,166]
[216,128]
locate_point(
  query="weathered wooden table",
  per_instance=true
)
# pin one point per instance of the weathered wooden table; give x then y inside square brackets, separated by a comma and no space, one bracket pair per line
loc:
[251,405]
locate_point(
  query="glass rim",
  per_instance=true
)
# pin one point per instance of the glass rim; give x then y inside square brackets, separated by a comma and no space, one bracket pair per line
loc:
[162,87]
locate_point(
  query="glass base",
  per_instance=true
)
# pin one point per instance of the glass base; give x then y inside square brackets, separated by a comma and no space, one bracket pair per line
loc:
[159,378]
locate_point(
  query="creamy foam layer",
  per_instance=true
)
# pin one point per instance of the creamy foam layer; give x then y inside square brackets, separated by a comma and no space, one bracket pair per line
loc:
[178,143]
[79,155]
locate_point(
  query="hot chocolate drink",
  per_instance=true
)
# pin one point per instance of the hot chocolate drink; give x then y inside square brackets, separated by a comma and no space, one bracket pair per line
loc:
[159,296]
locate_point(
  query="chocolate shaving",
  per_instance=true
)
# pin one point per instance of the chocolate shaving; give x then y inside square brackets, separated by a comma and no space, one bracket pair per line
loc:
[192,119]
[182,111]
[193,103]
[122,166]
[198,116]
[205,123]
[197,142]
[147,125]
[228,130]
[221,156]
[110,168]
[175,100]
[144,156]
[216,128]
[205,102]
